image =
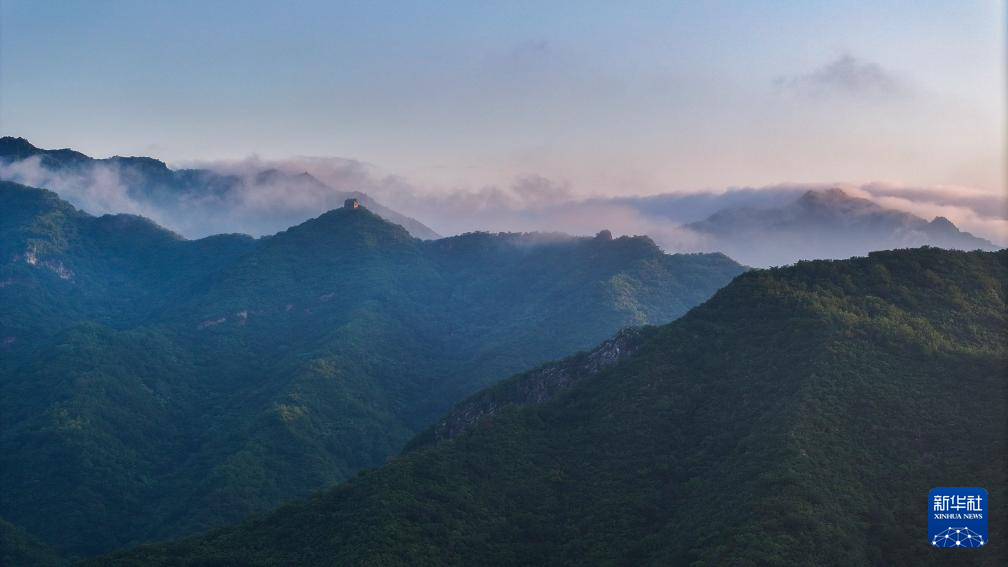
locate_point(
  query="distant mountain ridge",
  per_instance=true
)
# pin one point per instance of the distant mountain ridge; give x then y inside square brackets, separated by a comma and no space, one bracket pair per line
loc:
[825,224]
[151,183]
[758,226]
[158,386]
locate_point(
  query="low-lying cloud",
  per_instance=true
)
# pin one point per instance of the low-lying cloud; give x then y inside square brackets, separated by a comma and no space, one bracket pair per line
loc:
[259,197]
[248,196]
[99,188]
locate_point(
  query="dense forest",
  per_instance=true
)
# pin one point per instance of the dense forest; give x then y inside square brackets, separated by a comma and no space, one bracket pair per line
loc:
[153,386]
[798,417]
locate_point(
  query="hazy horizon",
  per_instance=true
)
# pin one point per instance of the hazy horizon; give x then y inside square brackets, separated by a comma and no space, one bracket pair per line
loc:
[645,98]
[524,116]
[532,203]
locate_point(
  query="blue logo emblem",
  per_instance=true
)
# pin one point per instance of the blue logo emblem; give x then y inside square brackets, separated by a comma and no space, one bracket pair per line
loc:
[957,516]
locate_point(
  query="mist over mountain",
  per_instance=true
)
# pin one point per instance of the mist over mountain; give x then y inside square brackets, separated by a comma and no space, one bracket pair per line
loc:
[824,224]
[797,418]
[258,197]
[529,284]
[197,202]
[760,226]
[157,386]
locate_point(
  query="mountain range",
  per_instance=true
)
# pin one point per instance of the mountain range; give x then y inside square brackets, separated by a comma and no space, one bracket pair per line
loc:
[197,198]
[389,394]
[153,386]
[799,417]
[758,227]
[772,226]
[824,224]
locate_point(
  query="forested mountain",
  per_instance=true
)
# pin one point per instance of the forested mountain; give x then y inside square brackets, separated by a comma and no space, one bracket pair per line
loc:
[19,548]
[798,417]
[192,197]
[825,224]
[153,386]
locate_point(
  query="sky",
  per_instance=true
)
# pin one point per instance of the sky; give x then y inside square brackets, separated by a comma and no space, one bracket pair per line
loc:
[598,98]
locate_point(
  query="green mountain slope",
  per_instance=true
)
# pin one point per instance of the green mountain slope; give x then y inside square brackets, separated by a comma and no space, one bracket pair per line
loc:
[19,548]
[157,386]
[798,417]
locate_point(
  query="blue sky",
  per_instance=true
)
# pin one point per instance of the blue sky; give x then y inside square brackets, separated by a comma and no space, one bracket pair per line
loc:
[605,98]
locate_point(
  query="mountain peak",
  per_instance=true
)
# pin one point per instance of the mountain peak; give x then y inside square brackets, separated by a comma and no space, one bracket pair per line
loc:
[140,161]
[837,202]
[346,226]
[274,175]
[831,196]
[13,149]
[11,146]
[942,224]
[825,223]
